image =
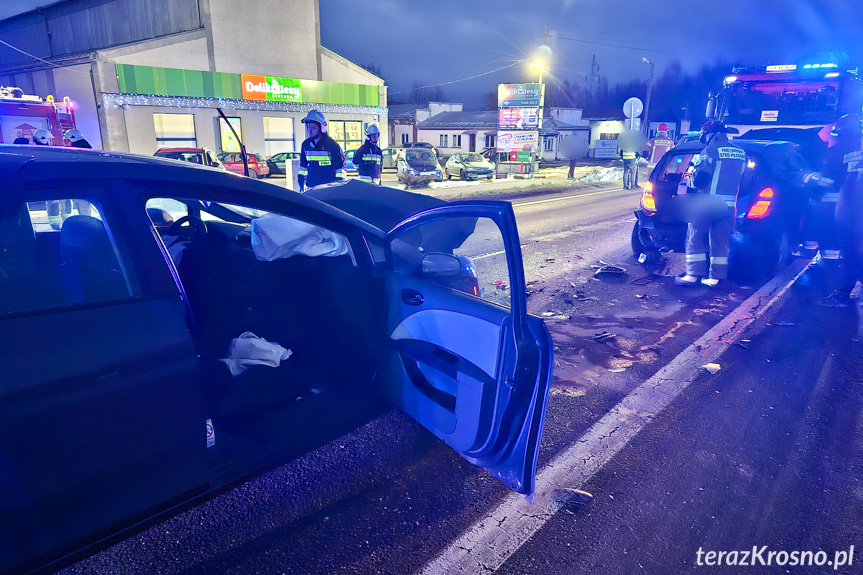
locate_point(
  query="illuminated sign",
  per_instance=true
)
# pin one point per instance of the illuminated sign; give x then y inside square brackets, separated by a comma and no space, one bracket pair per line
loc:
[508,141]
[518,119]
[518,95]
[782,68]
[817,66]
[228,140]
[271,88]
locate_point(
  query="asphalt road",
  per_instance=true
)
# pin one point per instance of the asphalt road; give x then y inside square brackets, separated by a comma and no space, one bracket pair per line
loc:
[761,453]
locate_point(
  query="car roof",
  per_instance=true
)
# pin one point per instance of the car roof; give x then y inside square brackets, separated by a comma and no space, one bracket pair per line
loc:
[748,145]
[52,164]
[179,150]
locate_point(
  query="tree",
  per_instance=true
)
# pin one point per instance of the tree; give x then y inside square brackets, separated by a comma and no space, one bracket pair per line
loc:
[376,70]
[421,94]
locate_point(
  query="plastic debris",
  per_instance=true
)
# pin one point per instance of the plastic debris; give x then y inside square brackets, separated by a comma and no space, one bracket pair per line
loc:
[607,268]
[549,260]
[578,257]
[547,313]
[574,495]
[712,367]
[499,284]
[604,337]
[785,323]
[617,370]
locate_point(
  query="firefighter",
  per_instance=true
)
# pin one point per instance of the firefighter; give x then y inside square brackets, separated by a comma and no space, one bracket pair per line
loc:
[368,159]
[321,158]
[42,138]
[710,213]
[849,205]
[658,145]
[630,165]
[76,139]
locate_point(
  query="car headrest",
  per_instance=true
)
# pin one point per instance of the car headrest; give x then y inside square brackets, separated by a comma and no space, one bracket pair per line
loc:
[84,242]
[160,218]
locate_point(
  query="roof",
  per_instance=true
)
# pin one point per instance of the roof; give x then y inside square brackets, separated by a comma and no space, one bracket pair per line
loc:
[461,120]
[404,111]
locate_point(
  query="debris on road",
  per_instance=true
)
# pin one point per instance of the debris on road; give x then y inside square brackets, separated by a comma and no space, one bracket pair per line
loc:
[573,495]
[618,370]
[607,268]
[604,337]
[712,367]
[549,260]
[547,313]
[499,284]
[785,323]
[646,280]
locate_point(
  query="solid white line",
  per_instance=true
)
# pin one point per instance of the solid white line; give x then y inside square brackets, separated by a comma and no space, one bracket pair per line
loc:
[567,198]
[489,542]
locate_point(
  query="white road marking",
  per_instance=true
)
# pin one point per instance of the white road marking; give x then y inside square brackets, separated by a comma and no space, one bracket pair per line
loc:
[567,198]
[494,253]
[488,543]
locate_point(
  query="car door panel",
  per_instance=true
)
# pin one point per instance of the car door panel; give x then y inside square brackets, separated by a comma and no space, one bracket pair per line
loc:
[474,373]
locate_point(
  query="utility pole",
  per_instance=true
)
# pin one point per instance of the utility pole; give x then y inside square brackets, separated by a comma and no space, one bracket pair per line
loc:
[592,79]
[647,105]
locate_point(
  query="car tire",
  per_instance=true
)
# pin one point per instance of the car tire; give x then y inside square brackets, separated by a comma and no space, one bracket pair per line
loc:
[253,174]
[448,176]
[778,256]
[635,242]
[462,175]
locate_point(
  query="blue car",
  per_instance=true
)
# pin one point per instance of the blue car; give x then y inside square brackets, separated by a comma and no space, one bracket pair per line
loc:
[173,330]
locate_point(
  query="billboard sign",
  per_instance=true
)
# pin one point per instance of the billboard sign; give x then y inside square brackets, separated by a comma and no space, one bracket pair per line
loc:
[518,95]
[271,88]
[512,141]
[229,142]
[518,119]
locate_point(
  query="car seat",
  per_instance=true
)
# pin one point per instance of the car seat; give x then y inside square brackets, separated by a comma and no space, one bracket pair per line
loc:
[90,268]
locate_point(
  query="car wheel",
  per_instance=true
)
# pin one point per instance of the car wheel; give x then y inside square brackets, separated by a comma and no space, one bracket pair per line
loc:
[448,176]
[637,243]
[461,175]
[778,256]
[253,174]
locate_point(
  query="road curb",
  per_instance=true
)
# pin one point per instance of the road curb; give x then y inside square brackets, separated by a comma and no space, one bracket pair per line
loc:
[488,543]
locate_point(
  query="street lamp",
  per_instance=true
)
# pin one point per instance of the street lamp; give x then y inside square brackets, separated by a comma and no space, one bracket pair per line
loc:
[647,105]
[542,68]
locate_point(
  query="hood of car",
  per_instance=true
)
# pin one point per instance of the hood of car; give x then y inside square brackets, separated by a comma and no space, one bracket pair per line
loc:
[477,165]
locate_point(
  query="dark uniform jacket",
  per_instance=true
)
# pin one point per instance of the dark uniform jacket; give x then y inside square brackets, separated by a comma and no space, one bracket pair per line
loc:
[368,160]
[320,162]
[719,170]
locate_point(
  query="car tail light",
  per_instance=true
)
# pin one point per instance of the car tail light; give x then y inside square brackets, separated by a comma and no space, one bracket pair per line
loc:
[647,201]
[760,208]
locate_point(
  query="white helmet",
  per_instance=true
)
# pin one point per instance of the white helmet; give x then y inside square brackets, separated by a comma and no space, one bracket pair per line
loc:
[73,135]
[42,137]
[372,129]
[318,118]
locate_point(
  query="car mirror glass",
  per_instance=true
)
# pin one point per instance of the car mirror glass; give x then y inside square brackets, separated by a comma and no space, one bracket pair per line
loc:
[437,265]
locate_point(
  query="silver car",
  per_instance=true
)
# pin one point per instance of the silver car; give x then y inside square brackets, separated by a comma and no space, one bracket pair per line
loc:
[470,166]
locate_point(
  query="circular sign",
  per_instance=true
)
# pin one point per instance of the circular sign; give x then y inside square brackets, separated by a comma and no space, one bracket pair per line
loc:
[633,108]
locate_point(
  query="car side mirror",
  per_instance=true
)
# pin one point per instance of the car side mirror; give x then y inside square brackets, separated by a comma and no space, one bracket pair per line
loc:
[440,265]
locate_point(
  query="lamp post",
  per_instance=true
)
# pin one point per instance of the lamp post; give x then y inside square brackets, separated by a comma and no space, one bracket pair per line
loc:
[647,104]
[540,67]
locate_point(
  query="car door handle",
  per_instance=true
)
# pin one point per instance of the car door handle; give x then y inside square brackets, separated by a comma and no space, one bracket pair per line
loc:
[412,297]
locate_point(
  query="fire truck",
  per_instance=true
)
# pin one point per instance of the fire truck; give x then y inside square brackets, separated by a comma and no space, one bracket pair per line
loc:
[22,114]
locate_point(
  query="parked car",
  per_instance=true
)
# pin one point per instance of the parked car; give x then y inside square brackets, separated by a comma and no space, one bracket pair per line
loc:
[277,162]
[425,145]
[200,156]
[390,158]
[258,166]
[470,166]
[417,167]
[349,162]
[143,298]
[770,204]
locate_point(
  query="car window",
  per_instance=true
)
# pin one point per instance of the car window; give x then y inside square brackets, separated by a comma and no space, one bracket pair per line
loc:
[420,154]
[61,253]
[259,157]
[473,158]
[467,255]
[674,167]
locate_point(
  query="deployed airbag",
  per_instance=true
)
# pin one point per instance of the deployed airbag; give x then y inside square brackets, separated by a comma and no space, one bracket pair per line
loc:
[278,237]
[249,349]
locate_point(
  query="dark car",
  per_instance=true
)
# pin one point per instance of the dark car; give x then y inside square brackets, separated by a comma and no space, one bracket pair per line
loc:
[349,162]
[418,166]
[770,204]
[469,166]
[277,162]
[131,387]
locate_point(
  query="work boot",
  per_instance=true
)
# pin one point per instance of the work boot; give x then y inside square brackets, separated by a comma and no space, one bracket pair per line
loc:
[686,280]
[709,282]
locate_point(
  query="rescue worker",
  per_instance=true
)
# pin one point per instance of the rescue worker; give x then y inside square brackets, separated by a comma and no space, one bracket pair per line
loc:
[42,138]
[658,145]
[849,205]
[710,213]
[630,165]
[368,159]
[76,139]
[321,157]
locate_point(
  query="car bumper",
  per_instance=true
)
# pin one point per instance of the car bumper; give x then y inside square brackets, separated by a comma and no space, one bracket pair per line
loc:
[752,235]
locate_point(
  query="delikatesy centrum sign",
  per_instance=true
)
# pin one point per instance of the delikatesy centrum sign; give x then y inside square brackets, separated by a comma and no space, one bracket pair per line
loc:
[508,141]
[518,95]
[271,88]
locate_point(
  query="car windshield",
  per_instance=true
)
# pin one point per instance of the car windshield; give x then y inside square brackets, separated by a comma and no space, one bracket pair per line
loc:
[420,155]
[472,158]
[193,157]
[675,166]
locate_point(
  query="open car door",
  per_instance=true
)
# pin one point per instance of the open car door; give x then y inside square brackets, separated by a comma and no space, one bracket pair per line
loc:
[468,363]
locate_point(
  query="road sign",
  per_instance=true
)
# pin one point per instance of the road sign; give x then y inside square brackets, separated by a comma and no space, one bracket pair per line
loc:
[633,108]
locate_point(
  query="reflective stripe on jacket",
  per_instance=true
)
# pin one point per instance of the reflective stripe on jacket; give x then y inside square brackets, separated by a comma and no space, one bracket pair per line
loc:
[724,163]
[320,162]
[368,160]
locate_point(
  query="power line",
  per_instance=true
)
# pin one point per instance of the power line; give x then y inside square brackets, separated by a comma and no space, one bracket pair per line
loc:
[53,65]
[456,81]
[607,44]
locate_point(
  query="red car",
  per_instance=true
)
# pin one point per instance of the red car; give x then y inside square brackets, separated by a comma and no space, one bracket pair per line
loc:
[258,167]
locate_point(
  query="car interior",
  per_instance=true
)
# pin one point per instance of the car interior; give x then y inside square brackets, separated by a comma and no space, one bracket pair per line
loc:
[316,303]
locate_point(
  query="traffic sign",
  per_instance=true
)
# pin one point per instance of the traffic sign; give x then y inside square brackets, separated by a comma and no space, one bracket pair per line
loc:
[633,108]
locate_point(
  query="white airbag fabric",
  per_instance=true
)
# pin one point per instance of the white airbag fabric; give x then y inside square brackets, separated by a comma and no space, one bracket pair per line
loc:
[249,349]
[278,237]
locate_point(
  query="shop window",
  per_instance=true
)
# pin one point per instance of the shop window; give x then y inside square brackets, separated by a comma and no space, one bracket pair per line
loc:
[175,131]
[490,141]
[456,141]
[278,135]
[444,141]
[404,139]
[348,134]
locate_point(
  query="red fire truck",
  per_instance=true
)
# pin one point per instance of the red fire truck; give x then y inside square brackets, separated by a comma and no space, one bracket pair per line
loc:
[22,114]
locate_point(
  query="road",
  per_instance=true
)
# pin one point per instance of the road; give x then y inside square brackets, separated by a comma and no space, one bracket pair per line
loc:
[766,451]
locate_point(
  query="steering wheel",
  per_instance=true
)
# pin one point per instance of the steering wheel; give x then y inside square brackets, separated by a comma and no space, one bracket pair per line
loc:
[197,229]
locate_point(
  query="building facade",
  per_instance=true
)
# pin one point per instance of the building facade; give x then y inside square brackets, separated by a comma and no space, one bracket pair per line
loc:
[144,77]
[459,131]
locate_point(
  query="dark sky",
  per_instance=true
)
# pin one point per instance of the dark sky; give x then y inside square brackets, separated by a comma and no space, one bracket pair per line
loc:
[438,41]
[444,40]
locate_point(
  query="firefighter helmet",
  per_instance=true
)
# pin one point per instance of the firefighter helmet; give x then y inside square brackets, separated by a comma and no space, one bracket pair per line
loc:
[847,125]
[42,137]
[372,129]
[73,135]
[318,118]
[711,127]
